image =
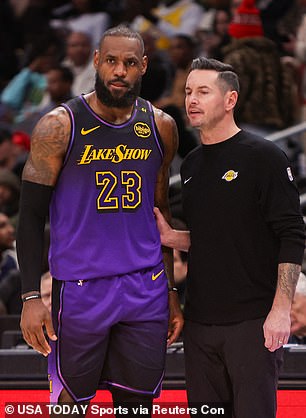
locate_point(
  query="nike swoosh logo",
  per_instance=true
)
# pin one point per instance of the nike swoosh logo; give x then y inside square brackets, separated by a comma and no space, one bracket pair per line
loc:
[186,180]
[87,131]
[155,276]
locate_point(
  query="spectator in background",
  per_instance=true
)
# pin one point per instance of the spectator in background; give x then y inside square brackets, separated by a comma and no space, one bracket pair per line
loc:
[7,251]
[213,39]
[233,5]
[300,54]
[22,143]
[27,89]
[298,313]
[268,99]
[82,16]
[166,18]
[79,58]
[33,21]
[158,75]
[14,148]
[8,42]
[280,20]
[59,85]
[10,301]
[9,194]
[10,285]
[181,52]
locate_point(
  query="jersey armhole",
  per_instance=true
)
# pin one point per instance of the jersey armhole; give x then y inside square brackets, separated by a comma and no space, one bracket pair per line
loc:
[157,137]
[72,130]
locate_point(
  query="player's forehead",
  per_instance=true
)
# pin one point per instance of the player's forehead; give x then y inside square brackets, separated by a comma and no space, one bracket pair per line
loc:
[121,46]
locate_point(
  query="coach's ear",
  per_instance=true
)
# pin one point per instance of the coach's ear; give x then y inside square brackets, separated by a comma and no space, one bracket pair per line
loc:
[230,100]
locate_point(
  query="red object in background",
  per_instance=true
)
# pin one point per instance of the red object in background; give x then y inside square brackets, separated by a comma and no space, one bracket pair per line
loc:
[22,140]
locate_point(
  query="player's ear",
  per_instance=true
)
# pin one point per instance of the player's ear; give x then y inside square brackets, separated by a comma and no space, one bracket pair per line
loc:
[96,59]
[144,64]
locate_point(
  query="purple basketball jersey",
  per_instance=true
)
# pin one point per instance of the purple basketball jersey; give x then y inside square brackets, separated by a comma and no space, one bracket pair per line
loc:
[101,214]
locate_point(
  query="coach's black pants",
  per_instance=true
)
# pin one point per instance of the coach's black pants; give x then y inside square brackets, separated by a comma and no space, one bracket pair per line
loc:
[230,364]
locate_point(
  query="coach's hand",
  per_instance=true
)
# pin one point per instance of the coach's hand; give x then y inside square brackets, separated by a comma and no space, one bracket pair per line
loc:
[176,320]
[276,329]
[34,317]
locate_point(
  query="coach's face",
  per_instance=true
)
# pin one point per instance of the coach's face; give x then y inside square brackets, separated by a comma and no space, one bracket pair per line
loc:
[207,100]
[120,66]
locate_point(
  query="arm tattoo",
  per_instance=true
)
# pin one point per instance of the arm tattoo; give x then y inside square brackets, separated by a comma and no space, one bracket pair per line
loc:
[288,275]
[48,146]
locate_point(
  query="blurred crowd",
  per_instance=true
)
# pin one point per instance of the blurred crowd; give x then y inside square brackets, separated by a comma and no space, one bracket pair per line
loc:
[46,58]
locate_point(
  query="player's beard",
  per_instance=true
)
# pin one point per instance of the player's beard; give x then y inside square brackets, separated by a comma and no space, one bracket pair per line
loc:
[106,97]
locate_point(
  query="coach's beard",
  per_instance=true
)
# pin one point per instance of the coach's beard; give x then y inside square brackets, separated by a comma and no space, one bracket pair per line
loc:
[106,97]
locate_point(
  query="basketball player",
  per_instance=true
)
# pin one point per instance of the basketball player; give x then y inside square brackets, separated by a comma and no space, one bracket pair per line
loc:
[100,162]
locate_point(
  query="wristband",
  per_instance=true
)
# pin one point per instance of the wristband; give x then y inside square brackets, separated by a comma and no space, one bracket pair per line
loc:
[36,296]
[172,289]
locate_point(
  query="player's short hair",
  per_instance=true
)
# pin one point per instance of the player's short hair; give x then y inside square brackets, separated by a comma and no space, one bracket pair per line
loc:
[125,32]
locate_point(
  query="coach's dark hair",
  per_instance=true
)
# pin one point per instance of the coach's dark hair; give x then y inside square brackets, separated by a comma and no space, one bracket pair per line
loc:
[123,31]
[226,74]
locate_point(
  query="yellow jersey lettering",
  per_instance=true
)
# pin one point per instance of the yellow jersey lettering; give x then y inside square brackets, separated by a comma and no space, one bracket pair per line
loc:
[119,153]
[100,154]
[107,154]
[136,154]
[115,155]
[128,154]
[84,157]
[93,155]
[145,154]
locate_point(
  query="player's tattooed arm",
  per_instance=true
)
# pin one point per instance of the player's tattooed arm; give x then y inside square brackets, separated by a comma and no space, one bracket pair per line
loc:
[49,143]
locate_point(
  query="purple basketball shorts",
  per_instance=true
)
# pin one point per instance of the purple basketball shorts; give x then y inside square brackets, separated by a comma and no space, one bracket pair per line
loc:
[111,331]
